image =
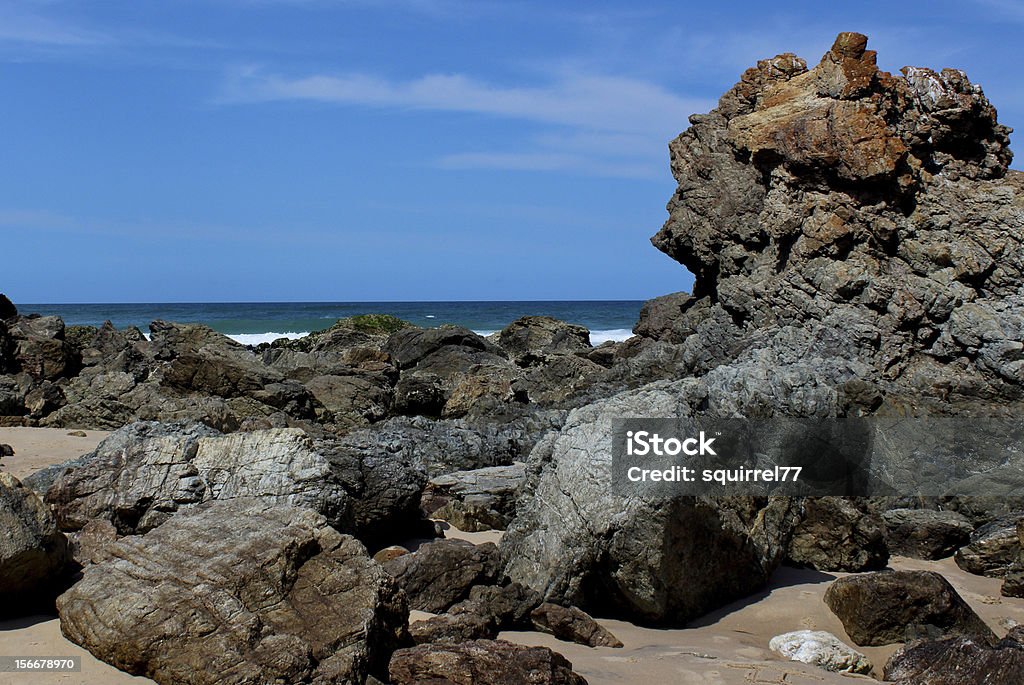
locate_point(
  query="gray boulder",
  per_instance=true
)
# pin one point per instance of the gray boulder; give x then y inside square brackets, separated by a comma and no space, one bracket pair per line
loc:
[993,548]
[957,661]
[926,533]
[578,543]
[234,592]
[33,553]
[145,473]
[531,340]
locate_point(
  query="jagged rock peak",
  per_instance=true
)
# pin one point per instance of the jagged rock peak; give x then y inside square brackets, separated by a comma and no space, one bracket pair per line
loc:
[873,212]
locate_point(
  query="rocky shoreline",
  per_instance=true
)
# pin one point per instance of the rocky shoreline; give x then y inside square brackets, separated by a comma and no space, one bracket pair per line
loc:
[857,240]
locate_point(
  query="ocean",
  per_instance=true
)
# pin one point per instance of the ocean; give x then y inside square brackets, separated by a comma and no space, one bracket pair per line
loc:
[251,323]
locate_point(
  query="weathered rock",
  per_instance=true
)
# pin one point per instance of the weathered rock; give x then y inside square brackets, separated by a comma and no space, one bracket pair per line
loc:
[33,553]
[143,474]
[354,399]
[40,349]
[532,340]
[845,213]
[820,649]
[508,607]
[572,625]
[837,534]
[558,381]
[413,346]
[481,662]
[6,450]
[926,533]
[453,627]
[957,661]
[440,573]
[171,340]
[481,499]
[446,446]
[44,399]
[993,549]
[657,561]
[884,607]
[282,598]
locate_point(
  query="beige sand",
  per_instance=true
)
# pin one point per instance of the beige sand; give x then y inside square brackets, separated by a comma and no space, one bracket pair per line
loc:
[36,448]
[729,647]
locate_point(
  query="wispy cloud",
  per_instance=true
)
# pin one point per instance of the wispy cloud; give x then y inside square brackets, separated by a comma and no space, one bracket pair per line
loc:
[20,27]
[604,125]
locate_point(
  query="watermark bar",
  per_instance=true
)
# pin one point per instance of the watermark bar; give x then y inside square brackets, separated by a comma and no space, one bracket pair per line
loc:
[40,664]
[873,456]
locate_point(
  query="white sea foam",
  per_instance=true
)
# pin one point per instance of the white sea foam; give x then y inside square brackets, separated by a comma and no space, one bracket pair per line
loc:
[596,337]
[257,338]
[614,334]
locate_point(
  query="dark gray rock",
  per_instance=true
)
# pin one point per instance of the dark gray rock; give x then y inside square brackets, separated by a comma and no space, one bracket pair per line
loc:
[441,573]
[7,308]
[33,553]
[891,606]
[992,550]
[572,625]
[533,340]
[481,662]
[926,533]
[235,592]
[957,661]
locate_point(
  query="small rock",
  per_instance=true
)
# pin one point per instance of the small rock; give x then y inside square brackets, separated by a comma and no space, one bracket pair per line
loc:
[453,627]
[572,625]
[879,608]
[820,649]
[388,553]
[481,662]
[6,450]
[77,434]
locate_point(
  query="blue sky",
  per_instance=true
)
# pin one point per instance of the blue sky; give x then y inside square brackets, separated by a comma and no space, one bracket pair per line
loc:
[250,150]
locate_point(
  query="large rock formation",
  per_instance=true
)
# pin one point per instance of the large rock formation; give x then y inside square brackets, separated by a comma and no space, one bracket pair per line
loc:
[578,542]
[843,212]
[235,592]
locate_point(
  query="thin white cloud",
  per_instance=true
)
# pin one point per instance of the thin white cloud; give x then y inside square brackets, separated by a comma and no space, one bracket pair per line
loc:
[30,29]
[604,103]
[600,125]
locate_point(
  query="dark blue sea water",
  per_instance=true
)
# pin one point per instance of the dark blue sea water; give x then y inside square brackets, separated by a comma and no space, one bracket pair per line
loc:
[255,322]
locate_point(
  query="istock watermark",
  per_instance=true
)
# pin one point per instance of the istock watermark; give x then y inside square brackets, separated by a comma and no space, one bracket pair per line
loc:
[850,457]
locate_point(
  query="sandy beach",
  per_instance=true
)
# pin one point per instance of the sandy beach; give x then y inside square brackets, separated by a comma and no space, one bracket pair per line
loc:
[727,647]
